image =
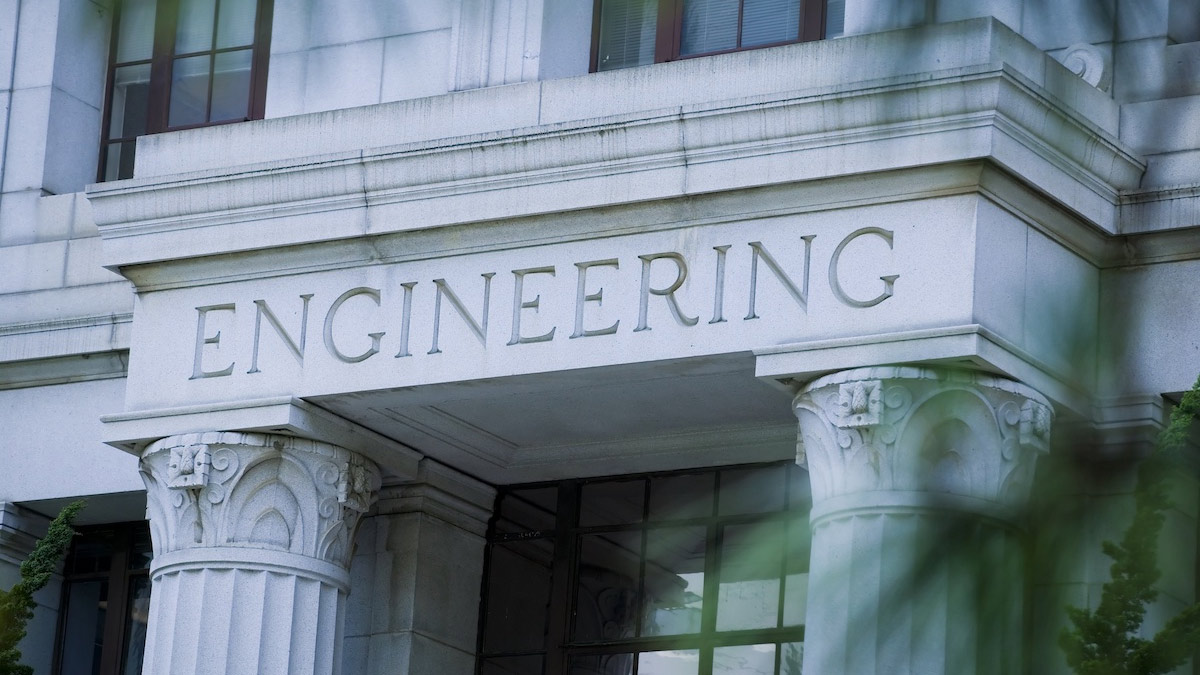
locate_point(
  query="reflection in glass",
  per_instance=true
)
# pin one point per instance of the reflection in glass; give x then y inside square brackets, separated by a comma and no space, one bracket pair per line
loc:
[791,656]
[613,503]
[131,89]
[189,91]
[137,615]
[674,585]
[231,86]
[91,553]
[118,162]
[768,21]
[708,26]
[745,660]
[627,31]
[679,497]
[669,662]
[235,25]
[135,35]
[83,628]
[193,31]
[751,560]
[601,664]
[756,490]
[795,582]
[530,510]
[513,665]
[606,606]
[518,592]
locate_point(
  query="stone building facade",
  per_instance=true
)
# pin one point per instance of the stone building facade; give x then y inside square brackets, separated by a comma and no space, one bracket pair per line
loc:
[471,336]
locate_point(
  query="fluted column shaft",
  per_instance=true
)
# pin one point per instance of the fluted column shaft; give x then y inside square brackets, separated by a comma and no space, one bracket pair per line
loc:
[919,480]
[252,541]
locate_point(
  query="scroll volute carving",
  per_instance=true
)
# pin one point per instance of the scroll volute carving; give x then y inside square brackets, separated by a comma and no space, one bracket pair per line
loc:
[256,490]
[908,429]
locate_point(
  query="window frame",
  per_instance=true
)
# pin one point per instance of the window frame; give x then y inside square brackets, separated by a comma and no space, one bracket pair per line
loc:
[669,31]
[567,536]
[162,58]
[120,578]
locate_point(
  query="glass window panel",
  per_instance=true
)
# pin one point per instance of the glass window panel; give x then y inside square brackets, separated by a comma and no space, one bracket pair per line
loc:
[235,23]
[91,553]
[528,510]
[613,503]
[674,580]
[677,497]
[669,662]
[627,31]
[118,160]
[83,627]
[135,625]
[835,18]
[231,86]
[135,34]
[142,551]
[799,488]
[745,659]
[189,91]
[519,578]
[708,26]
[751,561]
[768,21]
[607,592]
[757,490]
[194,27]
[601,664]
[131,90]
[795,582]
[513,665]
[791,656]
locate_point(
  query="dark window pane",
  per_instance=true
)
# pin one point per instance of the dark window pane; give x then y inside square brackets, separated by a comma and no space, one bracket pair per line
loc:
[135,35]
[513,665]
[677,497]
[606,605]
[518,592]
[142,550]
[231,86]
[835,18]
[235,25]
[672,662]
[767,21]
[708,26]
[745,659]
[194,29]
[528,510]
[83,628]
[118,160]
[615,503]
[751,560]
[189,91]
[131,87]
[136,618]
[791,656]
[91,553]
[601,664]
[674,583]
[758,490]
[799,488]
[627,30]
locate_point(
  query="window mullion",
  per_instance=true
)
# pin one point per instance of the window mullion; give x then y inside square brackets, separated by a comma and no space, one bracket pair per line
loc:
[114,617]
[566,559]
[165,17]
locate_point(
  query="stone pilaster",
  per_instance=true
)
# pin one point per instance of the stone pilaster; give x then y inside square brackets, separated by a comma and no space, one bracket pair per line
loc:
[919,479]
[252,540]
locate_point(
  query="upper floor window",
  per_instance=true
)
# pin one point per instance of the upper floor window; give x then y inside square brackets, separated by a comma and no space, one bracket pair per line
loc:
[178,64]
[638,32]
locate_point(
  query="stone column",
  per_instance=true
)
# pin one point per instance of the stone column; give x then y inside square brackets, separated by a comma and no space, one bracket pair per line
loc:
[252,541]
[919,478]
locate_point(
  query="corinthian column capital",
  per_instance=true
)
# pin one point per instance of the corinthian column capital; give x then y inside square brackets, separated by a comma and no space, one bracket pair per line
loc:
[896,436]
[256,491]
